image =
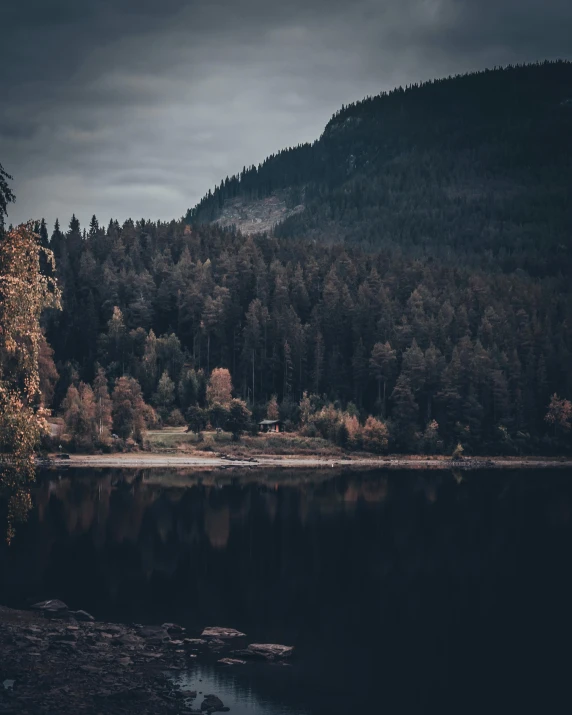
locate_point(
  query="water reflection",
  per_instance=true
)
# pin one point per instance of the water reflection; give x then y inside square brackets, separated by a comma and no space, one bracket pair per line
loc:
[405,589]
[239,689]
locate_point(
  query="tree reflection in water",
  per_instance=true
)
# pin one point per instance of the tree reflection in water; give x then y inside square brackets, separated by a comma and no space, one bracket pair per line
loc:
[411,588]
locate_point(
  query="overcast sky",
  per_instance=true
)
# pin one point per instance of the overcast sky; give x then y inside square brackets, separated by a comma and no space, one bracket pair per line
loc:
[135,108]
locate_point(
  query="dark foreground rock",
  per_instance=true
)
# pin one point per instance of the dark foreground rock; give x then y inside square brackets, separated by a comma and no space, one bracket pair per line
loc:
[66,666]
[62,662]
[213,704]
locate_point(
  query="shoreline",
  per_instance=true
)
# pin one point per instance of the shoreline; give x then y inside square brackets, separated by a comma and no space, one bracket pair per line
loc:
[145,460]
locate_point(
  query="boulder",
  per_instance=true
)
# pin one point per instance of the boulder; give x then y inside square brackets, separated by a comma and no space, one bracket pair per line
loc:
[53,605]
[217,632]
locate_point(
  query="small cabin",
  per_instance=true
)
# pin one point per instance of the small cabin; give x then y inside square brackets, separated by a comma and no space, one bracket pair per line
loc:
[270,426]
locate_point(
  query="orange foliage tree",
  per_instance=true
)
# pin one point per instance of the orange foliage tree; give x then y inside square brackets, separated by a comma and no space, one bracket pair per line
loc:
[24,293]
[560,414]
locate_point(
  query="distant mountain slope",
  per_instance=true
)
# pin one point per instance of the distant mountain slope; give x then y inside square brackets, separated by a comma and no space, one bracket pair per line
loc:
[477,167]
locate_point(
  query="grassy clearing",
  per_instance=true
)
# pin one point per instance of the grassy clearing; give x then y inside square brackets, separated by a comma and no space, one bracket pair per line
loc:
[177,440]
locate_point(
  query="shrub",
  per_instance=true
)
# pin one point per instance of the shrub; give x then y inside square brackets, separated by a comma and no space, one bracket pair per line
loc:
[175,418]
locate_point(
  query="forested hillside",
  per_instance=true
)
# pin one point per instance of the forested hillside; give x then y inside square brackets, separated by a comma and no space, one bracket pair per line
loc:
[437,298]
[476,167]
[441,353]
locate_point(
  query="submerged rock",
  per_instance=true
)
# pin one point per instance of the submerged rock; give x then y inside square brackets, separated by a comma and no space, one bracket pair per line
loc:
[266,651]
[231,661]
[212,704]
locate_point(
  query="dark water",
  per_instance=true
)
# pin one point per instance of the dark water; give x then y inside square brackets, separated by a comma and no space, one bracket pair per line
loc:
[413,592]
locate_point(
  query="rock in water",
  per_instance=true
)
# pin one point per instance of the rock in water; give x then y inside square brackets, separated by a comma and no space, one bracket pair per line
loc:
[267,651]
[216,632]
[231,661]
[212,704]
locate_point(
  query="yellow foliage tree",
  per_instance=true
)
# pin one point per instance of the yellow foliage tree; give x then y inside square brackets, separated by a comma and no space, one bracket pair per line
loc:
[219,388]
[24,293]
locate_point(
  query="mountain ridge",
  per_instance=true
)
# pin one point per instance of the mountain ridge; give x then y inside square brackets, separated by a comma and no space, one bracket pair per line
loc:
[479,162]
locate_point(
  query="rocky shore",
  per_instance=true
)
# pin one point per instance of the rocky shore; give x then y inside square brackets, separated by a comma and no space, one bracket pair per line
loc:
[53,660]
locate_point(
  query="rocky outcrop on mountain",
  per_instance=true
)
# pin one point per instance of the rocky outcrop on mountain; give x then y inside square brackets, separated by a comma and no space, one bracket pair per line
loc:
[256,215]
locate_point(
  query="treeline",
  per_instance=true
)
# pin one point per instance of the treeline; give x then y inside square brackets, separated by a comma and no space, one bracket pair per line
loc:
[94,418]
[438,353]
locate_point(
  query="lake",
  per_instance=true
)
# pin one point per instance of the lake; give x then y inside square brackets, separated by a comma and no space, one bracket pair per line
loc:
[402,591]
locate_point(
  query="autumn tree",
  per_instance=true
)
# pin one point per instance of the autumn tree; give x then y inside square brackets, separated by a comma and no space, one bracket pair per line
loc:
[24,294]
[272,410]
[375,436]
[79,415]
[559,415]
[219,388]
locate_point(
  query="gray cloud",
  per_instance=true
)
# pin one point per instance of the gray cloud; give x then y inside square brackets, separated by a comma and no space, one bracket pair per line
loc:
[137,107]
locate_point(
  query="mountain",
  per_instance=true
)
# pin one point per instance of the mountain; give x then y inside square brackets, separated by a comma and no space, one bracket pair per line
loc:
[476,167]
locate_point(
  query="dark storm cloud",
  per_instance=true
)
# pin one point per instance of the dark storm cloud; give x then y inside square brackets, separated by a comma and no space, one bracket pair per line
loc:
[137,107]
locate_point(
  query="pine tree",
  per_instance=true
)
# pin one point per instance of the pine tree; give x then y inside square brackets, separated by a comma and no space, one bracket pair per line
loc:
[382,365]
[405,414]
[288,367]
[164,398]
